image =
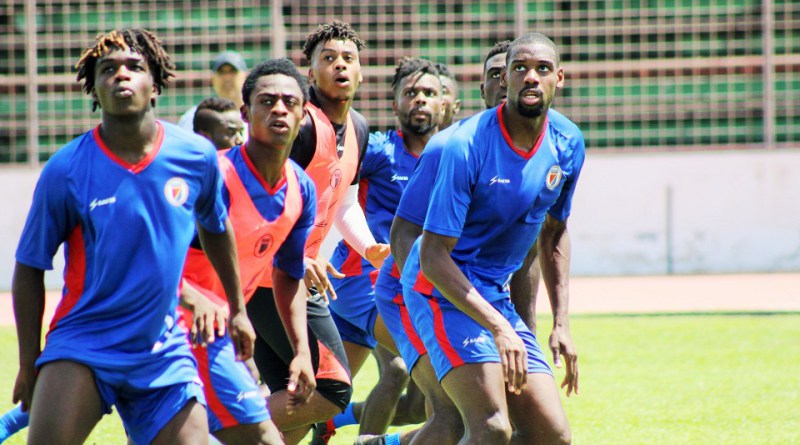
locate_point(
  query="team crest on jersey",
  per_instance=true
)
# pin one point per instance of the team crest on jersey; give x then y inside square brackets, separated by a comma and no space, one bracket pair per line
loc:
[176,190]
[263,245]
[336,178]
[554,177]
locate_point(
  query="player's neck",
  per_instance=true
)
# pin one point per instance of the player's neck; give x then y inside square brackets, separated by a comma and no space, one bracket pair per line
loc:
[335,110]
[269,161]
[524,131]
[415,143]
[129,137]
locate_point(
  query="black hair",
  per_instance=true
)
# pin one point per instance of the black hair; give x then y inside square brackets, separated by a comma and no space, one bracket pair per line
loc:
[334,30]
[444,71]
[409,66]
[534,38]
[202,121]
[273,66]
[140,41]
[498,48]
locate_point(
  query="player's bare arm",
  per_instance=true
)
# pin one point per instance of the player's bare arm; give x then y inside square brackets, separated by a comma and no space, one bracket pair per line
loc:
[554,256]
[439,267]
[220,249]
[401,238]
[290,300]
[28,292]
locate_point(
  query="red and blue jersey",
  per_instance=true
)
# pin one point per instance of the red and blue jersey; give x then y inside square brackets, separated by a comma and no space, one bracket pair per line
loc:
[126,229]
[413,204]
[271,203]
[385,170]
[494,197]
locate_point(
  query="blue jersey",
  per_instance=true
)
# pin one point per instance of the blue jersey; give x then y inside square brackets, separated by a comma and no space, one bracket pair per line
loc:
[126,230]
[384,173]
[494,198]
[413,203]
[270,204]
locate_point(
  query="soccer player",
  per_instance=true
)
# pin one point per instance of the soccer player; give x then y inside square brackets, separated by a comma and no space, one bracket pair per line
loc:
[493,91]
[123,198]
[220,121]
[228,71]
[330,144]
[504,174]
[272,206]
[452,104]
[387,164]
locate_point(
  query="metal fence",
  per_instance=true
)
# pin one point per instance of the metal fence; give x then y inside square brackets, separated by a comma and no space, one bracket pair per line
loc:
[641,75]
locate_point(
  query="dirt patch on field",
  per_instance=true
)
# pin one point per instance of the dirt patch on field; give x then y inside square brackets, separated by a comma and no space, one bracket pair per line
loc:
[685,293]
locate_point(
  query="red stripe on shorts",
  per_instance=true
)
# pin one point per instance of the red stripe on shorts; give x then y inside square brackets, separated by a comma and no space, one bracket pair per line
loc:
[408,327]
[214,403]
[422,285]
[441,334]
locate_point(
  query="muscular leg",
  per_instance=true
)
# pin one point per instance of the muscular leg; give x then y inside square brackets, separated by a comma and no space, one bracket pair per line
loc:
[189,426]
[479,393]
[444,426]
[66,404]
[411,407]
[264,433]
[537,414]
[356,356]
[379,407]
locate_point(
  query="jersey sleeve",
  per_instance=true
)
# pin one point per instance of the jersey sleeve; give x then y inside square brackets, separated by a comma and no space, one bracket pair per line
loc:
[289,257]
[452,189]
[560,210]
[50,220]
[414,202]
[371,159]
[210,209]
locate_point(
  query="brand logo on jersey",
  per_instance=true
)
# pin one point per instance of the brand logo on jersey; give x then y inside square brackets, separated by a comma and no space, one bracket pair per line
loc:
[497,180]
[336,178]
[471,341]
[101,202]
[554,177]
[176,190]
[263,245]
[396,177]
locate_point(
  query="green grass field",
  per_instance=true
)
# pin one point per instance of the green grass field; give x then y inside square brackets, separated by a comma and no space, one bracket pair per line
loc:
[677,379]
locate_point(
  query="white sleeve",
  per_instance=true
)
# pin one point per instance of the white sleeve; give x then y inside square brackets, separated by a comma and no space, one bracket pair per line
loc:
[352,224]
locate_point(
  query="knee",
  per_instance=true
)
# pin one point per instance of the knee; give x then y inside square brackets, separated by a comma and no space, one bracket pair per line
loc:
[495,429]
[562,436]
[393,377]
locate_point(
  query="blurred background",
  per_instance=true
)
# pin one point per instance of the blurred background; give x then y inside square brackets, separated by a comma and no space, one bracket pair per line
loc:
[690,108]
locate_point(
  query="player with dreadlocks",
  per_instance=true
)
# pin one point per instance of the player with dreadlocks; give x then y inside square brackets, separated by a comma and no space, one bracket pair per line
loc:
[123,199]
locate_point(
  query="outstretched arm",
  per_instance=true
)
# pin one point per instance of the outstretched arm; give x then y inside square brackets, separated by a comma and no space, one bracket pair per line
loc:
[554,245]
[28,292]
[220,248]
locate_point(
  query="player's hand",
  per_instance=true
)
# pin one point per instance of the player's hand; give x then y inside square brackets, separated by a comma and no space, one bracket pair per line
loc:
[317,271]
[23,387]
[561,344]
[376,253]
[205,315]
[242,335]
[513,357]
[301,381]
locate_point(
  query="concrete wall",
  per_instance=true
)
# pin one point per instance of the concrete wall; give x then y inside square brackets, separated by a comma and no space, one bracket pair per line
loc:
[633,214]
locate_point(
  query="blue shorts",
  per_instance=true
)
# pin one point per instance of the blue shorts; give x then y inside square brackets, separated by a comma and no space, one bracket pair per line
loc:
[361,335]
[395,315]
[453,338]
[148,387]
[232,394]
[354,310]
